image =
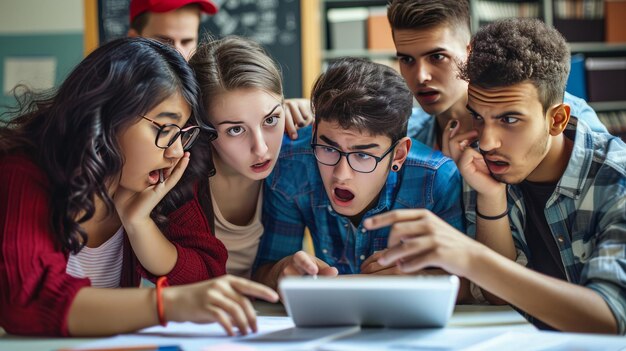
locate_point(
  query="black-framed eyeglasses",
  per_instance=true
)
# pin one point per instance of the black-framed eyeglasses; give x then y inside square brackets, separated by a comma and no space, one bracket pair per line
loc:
[359,161]
[169,133]
[211,132]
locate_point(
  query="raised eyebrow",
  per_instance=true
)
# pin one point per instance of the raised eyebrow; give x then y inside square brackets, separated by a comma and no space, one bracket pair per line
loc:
[230,122]
[172,115]
[355,147]
[364,147]
[472,110]
[434,51]
[240,122]
[328,141]
[503,114]
[508,114]
[272,111]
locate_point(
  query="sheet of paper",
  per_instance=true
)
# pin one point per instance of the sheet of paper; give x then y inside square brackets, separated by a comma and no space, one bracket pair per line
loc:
[317,335]
[411,339]
[475,316]
[553,341]
[275,333]
[37,73]
[190,336]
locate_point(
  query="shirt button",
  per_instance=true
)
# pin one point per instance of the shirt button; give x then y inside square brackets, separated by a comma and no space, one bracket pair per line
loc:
[362,257]
[325,251]
[560,239]
[363,230]
[330,208]
[345,225]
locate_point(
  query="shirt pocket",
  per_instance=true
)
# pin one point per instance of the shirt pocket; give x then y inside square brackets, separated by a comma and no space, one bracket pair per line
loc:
[583,250]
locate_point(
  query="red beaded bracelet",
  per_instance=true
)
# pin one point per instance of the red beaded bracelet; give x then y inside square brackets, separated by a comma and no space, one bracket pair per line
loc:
[161,282]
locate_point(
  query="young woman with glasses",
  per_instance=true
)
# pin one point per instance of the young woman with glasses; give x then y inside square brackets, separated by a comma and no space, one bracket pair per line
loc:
[89,201]
[243,94]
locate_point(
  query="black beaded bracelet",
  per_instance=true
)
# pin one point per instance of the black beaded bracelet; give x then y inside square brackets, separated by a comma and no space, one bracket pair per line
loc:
[492,218]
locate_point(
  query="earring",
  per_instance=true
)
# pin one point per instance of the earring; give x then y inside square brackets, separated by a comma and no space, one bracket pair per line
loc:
[395,168]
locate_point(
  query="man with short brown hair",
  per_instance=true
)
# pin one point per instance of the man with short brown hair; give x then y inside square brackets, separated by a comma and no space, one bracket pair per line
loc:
[432,39]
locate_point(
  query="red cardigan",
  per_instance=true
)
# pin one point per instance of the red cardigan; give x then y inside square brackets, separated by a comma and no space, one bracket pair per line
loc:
[35,291]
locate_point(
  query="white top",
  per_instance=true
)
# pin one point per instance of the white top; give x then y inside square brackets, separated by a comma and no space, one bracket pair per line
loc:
[102,264]
[242,242]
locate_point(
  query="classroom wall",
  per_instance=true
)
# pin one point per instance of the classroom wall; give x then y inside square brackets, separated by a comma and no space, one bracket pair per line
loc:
[40,42]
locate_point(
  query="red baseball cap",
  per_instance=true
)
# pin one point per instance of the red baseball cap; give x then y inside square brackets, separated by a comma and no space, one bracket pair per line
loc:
[138,7]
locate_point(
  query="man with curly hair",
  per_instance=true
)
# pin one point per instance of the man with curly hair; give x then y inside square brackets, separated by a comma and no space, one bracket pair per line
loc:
[548,199]
[432,40]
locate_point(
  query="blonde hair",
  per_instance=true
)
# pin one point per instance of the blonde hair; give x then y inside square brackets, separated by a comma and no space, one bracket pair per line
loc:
[233,63]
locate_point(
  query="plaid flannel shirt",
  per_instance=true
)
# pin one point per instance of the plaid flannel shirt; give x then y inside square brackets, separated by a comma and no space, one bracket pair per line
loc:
[586,214]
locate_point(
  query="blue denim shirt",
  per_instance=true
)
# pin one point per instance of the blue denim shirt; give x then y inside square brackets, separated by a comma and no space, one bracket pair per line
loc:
[295,198]
[586,214]
[422,125]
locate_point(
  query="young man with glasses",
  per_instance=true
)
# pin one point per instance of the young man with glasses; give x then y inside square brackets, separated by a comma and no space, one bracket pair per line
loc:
[356,162]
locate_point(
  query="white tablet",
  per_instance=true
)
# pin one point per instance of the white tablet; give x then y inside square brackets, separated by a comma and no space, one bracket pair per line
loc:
[390,301]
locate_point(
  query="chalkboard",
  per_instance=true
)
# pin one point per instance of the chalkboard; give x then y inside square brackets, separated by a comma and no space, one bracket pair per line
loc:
[275,24]
[113,19]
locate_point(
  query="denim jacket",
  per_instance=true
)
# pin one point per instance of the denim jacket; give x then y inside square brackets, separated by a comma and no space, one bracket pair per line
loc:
[295,198]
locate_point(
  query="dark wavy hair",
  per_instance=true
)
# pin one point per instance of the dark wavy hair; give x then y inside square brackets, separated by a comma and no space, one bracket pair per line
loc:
[361,94]
[72,134]
[517,50]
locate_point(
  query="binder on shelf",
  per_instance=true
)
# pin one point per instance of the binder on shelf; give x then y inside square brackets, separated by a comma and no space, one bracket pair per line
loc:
[615,14]
[347,28]
[607,78]
[489,10]
[378,30]
[615,122]
[580,30]
[576,82]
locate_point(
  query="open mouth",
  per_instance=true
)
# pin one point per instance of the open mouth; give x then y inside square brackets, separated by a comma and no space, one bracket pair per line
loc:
[497,167]
[343,195]
[261,167]
[427,96]
[157,176]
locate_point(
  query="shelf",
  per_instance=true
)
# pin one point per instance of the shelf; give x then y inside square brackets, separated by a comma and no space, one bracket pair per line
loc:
[373,55]
[352,3]
[597,47]
[608,106]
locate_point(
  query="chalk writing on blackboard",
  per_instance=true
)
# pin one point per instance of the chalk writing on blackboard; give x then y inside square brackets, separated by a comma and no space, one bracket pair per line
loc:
[275,24]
